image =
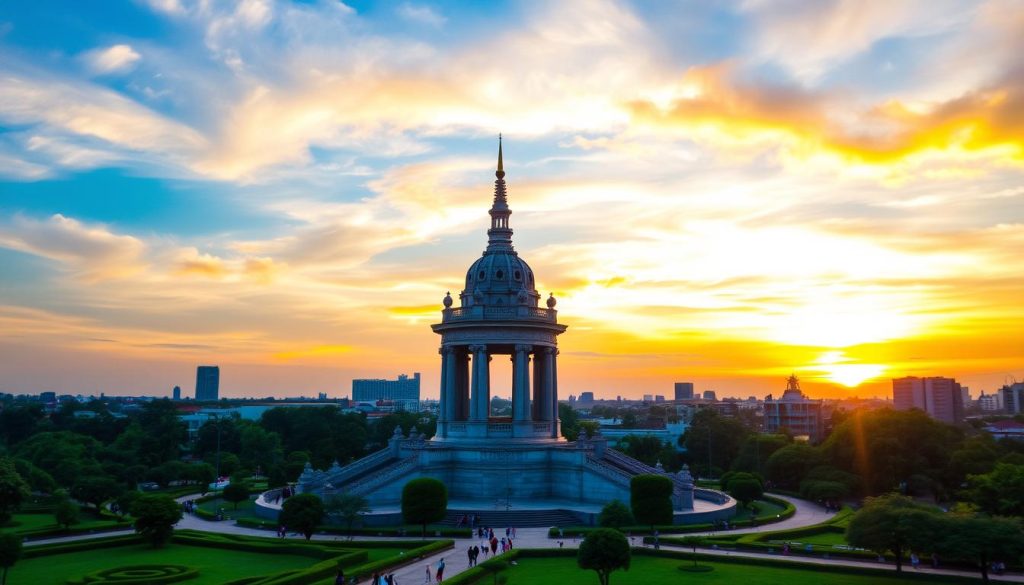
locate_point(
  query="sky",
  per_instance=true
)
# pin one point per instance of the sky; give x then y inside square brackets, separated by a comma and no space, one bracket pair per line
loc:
[716,192]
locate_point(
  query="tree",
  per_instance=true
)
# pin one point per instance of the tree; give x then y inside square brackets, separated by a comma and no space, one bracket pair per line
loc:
[95,490]
[1000,492]
[692,542]
[745,487]
[604,550]
[650,497]
[10,552]
[236,492]
[348,507]
[788,466]
[13,490]
[424,500]
[570,421]
[125,501]
[302,512]
[641,448]
[981,540]
[893,523]
[756,450]
[155,516]
[615,514]
[66,513]
[713,437]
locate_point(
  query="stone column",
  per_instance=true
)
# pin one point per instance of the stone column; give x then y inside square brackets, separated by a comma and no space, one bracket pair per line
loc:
[521,383]
[479,408]
[445,393]
[548,371]
[538,384]
[461,392]
[449,393]
[555,431]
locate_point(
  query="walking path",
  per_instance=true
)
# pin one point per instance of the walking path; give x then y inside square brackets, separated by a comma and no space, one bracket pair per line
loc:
[456,560]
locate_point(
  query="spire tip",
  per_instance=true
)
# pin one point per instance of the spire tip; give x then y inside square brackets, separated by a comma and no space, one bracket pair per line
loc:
[500,173]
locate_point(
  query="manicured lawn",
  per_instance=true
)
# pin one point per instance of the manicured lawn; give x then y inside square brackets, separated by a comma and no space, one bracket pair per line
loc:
[25,523]
[824,538]
[765,510]
[215,565]
[647,570]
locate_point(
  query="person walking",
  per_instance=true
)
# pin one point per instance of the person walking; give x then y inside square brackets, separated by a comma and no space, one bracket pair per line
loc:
[440,570]
[469,556]
[428,575]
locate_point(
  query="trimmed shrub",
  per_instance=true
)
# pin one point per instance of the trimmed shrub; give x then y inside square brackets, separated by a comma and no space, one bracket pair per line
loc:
[138,575]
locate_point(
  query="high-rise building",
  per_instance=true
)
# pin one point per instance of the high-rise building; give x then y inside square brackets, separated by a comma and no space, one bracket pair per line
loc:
[207,383]
[795,412]
[404,392]
[990,402]
[684,390]
[940,397]
[586,397]
[710,395]
[176,393]
[659,398]
[1013,397]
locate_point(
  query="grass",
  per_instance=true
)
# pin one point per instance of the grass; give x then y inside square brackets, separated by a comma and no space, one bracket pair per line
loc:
[824,538]
[215,565]
[764,511]
[38,525]
[645,570]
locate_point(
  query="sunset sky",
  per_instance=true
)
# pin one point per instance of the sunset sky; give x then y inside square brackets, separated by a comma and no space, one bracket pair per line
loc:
[719,192]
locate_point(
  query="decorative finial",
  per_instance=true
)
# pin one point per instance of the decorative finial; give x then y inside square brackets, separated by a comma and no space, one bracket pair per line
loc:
[448,300]
[551,300]
[501,171]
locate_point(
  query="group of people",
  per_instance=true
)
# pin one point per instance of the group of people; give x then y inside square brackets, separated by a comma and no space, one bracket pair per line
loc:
[188,506]
[440,571]
[376,579]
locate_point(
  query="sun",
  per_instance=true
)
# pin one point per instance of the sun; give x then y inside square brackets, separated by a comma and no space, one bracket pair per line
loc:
[837,368]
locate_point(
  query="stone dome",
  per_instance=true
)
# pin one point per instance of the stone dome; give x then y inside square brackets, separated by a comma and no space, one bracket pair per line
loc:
[497,278]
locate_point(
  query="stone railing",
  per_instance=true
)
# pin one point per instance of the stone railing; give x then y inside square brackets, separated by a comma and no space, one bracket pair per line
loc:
[609,472]
[622,460]
[358,467]
[372,482]
[509,313]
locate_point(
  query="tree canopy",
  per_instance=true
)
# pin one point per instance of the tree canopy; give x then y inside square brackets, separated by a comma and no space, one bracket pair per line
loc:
[424,500]
[13,490]
[650,498]
[155,516]
[893,523]
[303,513]
[604,550]
[616,514]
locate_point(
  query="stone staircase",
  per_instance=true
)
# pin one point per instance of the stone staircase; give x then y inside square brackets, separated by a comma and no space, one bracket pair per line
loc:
[500,519]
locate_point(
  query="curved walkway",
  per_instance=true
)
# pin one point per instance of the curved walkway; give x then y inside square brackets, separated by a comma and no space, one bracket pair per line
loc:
[456,560]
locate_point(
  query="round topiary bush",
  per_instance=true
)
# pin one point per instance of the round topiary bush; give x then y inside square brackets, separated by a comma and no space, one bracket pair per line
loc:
[138,575]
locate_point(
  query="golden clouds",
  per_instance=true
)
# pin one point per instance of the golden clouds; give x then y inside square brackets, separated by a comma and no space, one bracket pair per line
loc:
[722,109]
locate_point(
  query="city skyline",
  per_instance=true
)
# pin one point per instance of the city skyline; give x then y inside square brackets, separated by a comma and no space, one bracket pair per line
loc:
[717,194]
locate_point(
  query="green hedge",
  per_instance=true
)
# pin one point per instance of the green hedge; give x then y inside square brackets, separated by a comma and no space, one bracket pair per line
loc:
[787,512]
[138,575]
[31,552]
[409,531]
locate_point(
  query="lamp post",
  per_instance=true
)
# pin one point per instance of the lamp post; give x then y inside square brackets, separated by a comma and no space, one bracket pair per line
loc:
[709,452]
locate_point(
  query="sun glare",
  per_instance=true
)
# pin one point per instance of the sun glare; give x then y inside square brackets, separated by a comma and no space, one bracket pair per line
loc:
[837,368]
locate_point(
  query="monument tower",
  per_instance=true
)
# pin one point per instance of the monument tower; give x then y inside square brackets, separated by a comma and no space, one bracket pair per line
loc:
[521,460]
[498,316]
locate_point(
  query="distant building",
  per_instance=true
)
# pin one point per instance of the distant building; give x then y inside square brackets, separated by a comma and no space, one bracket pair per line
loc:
[404,392]
[586,398]
[659,398]
[321,396]
[207,383]
[990,402]
[48,397]
[940,397]
[1013,397]
[795,412]
[1006,429]
[648,398]
[710,395]
[176,393]
[684,390]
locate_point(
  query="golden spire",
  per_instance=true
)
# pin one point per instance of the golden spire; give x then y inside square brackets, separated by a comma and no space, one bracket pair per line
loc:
[501,171]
